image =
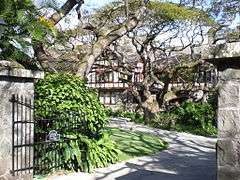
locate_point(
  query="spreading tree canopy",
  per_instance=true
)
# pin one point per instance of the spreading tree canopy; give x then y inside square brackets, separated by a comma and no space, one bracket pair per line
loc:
[28,26]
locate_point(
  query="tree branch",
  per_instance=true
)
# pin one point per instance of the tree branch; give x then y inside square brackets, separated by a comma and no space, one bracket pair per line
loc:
[65,9]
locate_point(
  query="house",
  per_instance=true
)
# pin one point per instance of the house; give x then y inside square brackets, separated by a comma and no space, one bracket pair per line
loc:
[112,89]
[112,86]
[109,83]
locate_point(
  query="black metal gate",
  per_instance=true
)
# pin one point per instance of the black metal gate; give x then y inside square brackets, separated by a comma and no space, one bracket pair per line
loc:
[37,145]
[34,141]
[47,147]
[22,136]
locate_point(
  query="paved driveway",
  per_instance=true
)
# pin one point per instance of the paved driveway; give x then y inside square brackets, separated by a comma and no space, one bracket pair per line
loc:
[188,157]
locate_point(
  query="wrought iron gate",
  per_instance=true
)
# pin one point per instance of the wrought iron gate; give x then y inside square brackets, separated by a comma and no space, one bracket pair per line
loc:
[22,136]
[33,140]
[46,147]
[37,145]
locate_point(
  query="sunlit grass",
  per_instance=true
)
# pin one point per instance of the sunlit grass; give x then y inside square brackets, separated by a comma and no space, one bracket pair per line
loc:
[134,144]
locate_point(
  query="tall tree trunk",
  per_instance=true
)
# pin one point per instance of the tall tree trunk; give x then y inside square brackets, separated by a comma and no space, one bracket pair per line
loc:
[55,18]
[161,94]
[150,108]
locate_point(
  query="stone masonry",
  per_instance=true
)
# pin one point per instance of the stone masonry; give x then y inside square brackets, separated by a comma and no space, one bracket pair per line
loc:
[228,145]
[13,81]
[227,59]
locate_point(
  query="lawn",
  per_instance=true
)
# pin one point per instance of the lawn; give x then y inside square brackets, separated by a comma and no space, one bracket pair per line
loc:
[131,144]
[134,144]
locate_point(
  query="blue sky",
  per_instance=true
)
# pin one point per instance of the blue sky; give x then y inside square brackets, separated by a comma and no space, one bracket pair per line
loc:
[89,5]
[71,20]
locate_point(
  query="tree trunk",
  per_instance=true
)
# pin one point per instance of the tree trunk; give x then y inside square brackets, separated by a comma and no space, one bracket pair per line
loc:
[161,94]
[150,108]
[55,18]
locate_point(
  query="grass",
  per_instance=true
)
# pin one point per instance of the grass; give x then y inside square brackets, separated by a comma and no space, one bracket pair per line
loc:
[131,144]
[134,144]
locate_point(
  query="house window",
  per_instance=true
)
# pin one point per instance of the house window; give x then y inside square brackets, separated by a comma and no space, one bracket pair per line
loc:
[108,97]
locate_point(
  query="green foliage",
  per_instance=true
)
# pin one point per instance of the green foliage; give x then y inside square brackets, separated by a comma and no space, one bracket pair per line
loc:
[164,120]
[195,118]
[78,153]
[101,153]
[208,131]
[133,116]
[173,12]
[79,117]
[198,118]
[161,11]
[23,28]
[199,115]
[69,96]
[87,154]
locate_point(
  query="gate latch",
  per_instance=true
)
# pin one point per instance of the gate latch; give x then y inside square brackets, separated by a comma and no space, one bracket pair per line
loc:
[53,136]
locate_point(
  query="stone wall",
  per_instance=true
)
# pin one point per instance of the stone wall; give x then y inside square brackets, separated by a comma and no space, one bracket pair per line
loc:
[13,81]
[227,59]
[228,145]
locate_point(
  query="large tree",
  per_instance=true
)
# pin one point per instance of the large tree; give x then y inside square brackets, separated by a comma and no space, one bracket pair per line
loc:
[105,26]
[25,27]
[116,20]
[163,42]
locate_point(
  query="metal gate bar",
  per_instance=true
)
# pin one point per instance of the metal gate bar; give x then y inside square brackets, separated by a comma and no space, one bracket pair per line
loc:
[22,135]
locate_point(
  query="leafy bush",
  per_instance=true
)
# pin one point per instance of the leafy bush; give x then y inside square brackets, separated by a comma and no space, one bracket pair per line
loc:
[198,118]
[164,120]
[96,154]
[195,114]
[208,131]
[101,153]
[195,118]
[78,153]
[79,118]
[66,96]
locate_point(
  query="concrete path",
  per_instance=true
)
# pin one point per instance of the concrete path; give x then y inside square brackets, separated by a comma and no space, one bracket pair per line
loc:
[188,157]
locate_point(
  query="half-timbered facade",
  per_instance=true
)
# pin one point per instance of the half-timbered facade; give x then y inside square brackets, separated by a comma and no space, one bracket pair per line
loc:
[111,86]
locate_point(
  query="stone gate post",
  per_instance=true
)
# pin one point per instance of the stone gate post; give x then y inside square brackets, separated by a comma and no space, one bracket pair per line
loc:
[227,59]
[21,82]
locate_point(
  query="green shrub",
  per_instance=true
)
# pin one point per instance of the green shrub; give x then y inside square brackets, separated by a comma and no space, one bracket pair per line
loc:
[79,118]
[208,131]
[163,120]
[195,114]
[198,118]
[66,96]
[78,153]
[102,152]
[96,154]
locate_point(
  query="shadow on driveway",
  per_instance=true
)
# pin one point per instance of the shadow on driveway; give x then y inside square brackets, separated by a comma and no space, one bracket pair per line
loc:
[188,157]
